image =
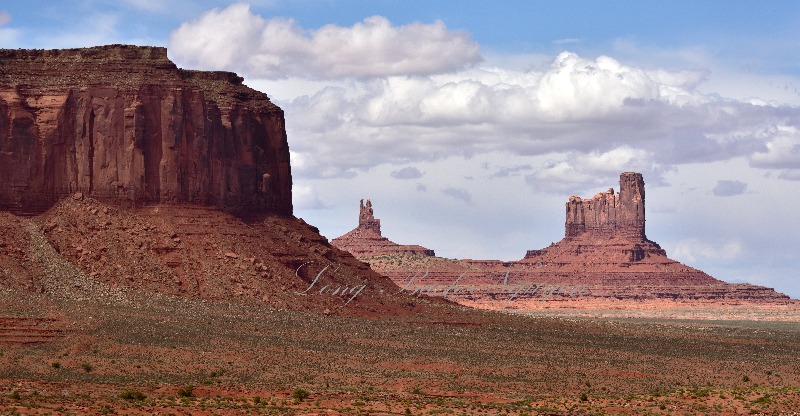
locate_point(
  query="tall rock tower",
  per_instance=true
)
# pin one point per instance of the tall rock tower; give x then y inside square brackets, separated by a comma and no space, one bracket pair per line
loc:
[609,215]
[366,218]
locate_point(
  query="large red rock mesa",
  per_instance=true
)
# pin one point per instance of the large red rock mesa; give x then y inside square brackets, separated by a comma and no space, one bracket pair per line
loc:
[153,160]
[124,123]
[366,239]
[605,253]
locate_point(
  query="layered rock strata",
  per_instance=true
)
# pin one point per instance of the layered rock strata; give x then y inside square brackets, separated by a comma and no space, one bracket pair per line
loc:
[123,123]
[366,239]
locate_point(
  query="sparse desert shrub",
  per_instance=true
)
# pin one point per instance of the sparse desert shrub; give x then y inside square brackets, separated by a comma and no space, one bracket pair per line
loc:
[87,367]
[56,364]
[15,395]
[745,379]
[762,400]
[584,397]
[300,395]
[132,395]
[187,391]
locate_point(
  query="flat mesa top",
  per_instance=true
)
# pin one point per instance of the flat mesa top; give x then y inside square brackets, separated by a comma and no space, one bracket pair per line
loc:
[124,67]
[108,52]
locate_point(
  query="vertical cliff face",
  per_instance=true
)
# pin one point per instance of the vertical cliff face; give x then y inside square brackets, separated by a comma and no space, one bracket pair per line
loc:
[124,123]
[607,215]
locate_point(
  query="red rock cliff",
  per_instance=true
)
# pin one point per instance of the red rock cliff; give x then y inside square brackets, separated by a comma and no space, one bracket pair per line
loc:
[123,123]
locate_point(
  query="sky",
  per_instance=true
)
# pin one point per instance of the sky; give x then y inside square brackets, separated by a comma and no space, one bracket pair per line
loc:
[469,124]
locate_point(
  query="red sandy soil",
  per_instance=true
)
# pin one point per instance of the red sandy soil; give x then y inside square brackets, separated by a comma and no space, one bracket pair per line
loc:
[452,359]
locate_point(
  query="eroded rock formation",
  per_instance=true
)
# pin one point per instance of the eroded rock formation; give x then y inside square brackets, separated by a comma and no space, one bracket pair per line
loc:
[608,215]
[366,239]
[366,218]
[609,228]
[604,254]
[123,123]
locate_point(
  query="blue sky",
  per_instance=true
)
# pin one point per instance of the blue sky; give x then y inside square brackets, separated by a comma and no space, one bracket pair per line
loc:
[508,26]
[470,123]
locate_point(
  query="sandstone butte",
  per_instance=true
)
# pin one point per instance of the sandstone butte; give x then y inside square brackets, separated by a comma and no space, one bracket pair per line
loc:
[121,170]
[605,253]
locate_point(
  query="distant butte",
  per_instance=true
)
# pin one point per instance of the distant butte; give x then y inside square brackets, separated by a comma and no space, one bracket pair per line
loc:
[605,253]
[607,234]
[366,239]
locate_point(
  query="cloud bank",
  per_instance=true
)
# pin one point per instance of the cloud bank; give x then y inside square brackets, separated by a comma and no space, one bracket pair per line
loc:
[606,116]
[236,39]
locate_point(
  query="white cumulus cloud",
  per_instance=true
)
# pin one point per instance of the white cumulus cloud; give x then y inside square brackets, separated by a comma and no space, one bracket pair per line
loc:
[586,171]
[305,197]
[606,114]
[781,150]
[236,39]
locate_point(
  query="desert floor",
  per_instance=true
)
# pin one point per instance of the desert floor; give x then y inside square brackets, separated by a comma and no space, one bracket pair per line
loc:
[139,353]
